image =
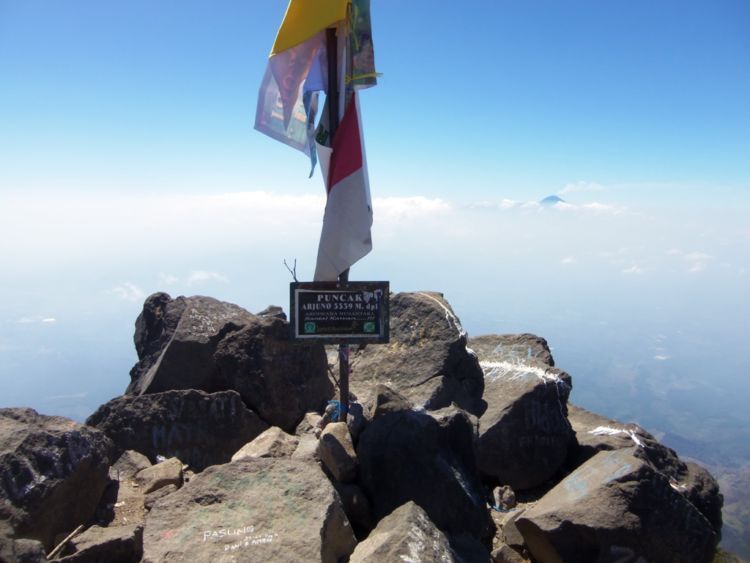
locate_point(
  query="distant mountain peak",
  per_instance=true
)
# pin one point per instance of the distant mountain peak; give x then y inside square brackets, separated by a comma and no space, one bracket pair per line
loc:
[551,200]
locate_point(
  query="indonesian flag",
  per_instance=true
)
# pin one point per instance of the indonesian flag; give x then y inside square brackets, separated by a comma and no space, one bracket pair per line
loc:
[287,107]
[345,237]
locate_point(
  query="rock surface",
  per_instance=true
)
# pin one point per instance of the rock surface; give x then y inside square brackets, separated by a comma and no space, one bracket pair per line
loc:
[176,339]
[336,451]
[182,424]
[406,455]
[595,433]
[114,544]
[406,534]
[278,379]
[426,359]
[264,509]
[205,344]
[514,348]
[616,506]
[273,442]
[168,472]
[524,434]
[52,473]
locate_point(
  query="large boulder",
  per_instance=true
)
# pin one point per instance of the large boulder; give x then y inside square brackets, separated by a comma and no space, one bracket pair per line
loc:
[198,428]
[616,506]
[524,434]
[516,348]
[254,509]
[426,360]
[278,379]
[406,534]
[274,442]
[595,433]
[176,339]
[52,473]
[114,544]
[202,343]
[429,458]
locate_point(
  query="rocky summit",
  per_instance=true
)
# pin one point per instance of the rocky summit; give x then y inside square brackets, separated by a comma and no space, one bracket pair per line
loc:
[225,447]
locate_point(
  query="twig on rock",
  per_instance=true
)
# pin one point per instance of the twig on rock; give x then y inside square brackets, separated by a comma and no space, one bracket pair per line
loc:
[52,554]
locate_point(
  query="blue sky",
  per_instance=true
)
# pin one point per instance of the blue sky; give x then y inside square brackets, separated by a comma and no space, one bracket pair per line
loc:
[511,98]
[128,164]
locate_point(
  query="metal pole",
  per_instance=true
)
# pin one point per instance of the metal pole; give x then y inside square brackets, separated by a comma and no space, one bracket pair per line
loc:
[333,124]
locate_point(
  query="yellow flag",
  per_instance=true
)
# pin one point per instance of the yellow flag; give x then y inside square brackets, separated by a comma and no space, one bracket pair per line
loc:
[305,18]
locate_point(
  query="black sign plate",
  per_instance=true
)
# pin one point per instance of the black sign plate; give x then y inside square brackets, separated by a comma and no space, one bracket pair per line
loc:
[340,312]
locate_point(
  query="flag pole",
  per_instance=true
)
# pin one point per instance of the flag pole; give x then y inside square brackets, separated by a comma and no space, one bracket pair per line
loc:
[333,123]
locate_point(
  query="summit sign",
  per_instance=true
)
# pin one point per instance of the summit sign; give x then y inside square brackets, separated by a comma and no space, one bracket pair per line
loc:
[340,312]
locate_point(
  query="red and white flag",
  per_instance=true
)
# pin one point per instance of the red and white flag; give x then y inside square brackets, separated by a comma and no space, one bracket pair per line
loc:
[347,220]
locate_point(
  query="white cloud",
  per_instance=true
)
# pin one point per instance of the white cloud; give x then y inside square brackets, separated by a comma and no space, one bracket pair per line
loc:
[581,187]
[201,276]
[633,270]
[397,208]
[568,260]
[36,319]
[662,357]
[127,291]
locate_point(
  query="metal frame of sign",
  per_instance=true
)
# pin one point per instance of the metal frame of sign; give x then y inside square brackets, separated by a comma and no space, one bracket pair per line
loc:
[351,302]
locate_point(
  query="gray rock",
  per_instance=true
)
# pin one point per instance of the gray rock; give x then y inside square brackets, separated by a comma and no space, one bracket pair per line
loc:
[53,472]
[427,458]
[426,359]
[506,554]
[385,400]
[524,435]
[515,348]
[176,340]
[278,379]
[595,433]
[128,464]
[406,534]
[168,472]
[336,451]
[616,506]
[274,442]
[20,550]
[205,344]
[308,424]
[511,534]
[356,507]
[151,498]
[273,311]
[307,449]
[255,509]
[116,544]
[198,428]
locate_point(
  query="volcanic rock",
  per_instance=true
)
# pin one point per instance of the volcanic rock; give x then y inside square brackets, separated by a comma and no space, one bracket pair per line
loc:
[406,534]
[426,359]
[198,428]
[258,509]
[513,348]
[128,464]
[524,434]
[52,473]
[336,451]
[176,340]
[205,344]
[168,472]
[616,506]
[427,458]
[595,433]
[273,442]
[115,544]
[278,379]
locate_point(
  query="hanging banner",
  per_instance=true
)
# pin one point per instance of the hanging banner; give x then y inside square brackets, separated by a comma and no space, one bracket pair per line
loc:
[340,312]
